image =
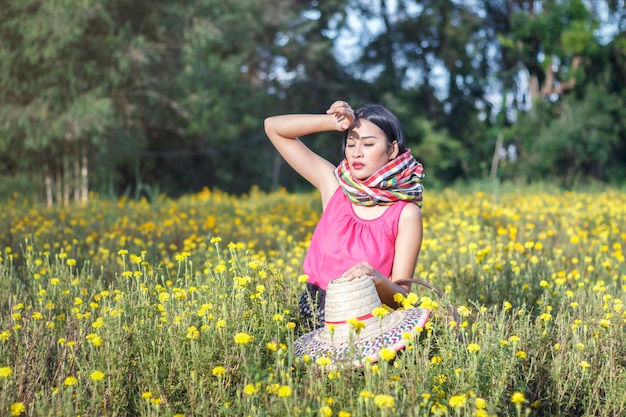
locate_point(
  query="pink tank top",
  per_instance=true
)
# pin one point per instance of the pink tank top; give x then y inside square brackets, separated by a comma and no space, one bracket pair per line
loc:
[342,239]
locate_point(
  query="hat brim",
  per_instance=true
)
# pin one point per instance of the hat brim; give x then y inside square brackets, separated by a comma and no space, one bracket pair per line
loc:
[364,347]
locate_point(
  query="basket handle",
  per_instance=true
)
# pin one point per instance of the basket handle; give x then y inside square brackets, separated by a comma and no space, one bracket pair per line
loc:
[451,308]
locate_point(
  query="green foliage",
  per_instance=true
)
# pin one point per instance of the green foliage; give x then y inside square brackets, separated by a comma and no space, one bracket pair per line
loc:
[118,97]
[581,142]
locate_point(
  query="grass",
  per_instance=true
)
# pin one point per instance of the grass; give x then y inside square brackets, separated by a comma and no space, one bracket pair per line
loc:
[188,307]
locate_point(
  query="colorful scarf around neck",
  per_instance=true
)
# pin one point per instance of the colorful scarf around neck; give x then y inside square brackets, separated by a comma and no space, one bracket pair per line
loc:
[398,180]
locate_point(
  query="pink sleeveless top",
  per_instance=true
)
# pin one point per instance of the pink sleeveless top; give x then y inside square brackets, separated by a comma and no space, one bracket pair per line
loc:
[342,239]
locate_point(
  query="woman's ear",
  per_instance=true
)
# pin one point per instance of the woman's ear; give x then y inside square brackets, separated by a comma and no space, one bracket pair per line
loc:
[394,150]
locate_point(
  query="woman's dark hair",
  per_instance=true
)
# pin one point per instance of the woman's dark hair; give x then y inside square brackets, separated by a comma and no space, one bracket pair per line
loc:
[385,120]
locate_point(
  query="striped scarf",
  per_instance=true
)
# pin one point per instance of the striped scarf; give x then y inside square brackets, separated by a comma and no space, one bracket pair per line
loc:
[398,180]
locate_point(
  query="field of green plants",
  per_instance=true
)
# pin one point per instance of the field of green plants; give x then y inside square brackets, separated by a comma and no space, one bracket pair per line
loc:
[188,307]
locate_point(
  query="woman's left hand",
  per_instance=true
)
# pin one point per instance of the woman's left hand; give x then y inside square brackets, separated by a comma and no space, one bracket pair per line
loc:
[360,269]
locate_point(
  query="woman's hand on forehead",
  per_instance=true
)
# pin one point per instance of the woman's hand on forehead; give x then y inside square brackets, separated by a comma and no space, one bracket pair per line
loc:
[343,115]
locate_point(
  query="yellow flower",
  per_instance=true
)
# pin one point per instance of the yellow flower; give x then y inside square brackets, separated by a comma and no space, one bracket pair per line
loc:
[192,333]
[480,403]
[464,311]
[545,317]
[218,371]
[380,312]
[366,394]
[6,372]
[70,381]
[326,411]
[146,395]
[458,401]
[323,361]
[384,401]
[387,354]
[17,409]
[242,338]
[342,413]
[473,348]
[284,391]
[250,389]
[357,324]
[584,364]
[518,398]
[97,376]
[520,354]
[94,339]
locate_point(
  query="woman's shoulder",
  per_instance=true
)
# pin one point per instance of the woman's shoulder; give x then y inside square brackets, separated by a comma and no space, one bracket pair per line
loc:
[410,213]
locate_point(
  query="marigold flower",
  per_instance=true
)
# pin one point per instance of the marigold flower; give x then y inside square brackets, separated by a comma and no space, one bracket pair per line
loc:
[70,381]
[284,391]
[242,338]
[192,333]
[387,354]
[250,389]
[518,398]
[473,348]
[458,401]
[97,376]
[384,401]
[325,411]
[6,372]
[17,409]
[357,324]
[480,403]
[323,361]
[218,371]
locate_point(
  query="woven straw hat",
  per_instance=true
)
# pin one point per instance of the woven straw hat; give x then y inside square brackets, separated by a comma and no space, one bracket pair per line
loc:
[338,339]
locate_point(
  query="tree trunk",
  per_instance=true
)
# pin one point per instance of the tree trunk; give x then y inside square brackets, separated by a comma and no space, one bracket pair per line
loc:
[84,186]
[48,183]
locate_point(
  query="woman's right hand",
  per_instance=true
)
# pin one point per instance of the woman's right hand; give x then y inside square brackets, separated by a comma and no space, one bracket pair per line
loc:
[343,115]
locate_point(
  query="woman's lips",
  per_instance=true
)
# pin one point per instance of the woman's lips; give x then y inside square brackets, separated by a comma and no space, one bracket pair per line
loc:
[357,165]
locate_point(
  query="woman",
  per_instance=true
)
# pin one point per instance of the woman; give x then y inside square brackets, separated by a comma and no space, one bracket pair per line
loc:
[371,222]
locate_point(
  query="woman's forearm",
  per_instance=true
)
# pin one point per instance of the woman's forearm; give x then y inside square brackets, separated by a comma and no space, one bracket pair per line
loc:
[295,125]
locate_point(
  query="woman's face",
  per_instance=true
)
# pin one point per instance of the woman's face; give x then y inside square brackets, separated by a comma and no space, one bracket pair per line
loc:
[367,149]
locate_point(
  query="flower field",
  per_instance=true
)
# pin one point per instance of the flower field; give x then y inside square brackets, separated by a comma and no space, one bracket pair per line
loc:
[188,307]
